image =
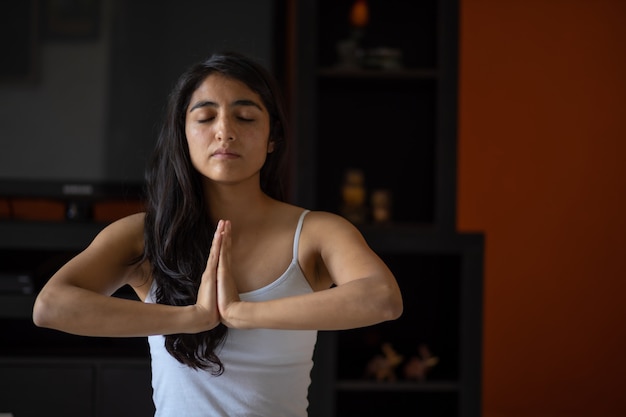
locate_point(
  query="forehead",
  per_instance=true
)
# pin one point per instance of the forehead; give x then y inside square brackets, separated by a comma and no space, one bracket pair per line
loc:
[224,90]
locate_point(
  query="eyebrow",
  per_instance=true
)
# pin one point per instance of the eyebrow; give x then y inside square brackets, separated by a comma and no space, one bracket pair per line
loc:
[236,103]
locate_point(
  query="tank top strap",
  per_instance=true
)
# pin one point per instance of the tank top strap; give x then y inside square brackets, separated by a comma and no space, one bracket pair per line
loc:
[296,238]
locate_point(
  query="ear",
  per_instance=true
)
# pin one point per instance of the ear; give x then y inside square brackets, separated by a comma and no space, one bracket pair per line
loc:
[270,146]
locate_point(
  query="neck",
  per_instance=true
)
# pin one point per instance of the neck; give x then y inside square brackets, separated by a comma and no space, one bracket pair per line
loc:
[240,203]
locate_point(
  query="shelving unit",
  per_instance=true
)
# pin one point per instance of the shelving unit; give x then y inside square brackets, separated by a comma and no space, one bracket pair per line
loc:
[398,126]
[356,116]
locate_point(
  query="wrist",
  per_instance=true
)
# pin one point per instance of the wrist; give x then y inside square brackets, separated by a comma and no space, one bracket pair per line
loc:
[197,319]
[238,314]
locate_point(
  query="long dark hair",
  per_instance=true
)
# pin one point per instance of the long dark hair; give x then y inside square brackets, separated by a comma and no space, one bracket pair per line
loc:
[178,231]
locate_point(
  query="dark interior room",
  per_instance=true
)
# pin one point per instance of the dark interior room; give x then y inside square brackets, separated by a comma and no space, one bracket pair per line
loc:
[476,144]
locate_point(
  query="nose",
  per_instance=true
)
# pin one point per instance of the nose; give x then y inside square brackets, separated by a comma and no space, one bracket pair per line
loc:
[224,129]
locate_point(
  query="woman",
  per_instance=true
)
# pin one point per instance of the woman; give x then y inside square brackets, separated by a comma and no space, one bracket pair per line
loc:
[234,281]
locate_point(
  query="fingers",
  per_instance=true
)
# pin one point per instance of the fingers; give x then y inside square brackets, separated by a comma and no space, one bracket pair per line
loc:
[216,246]
[207,292]
[225,241]
[218,290]
[227,293]
[223,269]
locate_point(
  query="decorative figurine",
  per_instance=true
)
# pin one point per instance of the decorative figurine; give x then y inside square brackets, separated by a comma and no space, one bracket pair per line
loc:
[350,50]
[381,206]
[417,367]
[353,196]
[383,367]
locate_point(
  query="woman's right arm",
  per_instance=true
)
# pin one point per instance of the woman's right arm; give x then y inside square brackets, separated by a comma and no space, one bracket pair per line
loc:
[77,298]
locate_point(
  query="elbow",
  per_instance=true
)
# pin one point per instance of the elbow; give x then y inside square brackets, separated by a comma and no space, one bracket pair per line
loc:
[395,307]
[397,310]
[42,310]
[392,305]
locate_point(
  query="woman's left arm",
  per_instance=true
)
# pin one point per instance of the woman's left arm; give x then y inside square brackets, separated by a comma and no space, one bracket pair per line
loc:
[365,291]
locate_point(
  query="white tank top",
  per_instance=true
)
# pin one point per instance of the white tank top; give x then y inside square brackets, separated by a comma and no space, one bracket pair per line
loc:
[266,372]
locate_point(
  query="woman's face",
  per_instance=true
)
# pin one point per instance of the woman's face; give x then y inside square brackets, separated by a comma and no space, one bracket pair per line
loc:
[227,128]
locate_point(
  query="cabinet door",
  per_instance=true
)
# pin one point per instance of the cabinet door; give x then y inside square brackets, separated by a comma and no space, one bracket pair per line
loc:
[46,389]
[125,390]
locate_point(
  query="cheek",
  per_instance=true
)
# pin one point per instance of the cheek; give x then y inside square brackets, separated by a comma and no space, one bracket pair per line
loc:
[195,137]
[191,133]
[195,145]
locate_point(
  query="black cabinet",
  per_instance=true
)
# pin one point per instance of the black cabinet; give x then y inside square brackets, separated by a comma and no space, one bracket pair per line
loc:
[46,372]
[81,387]
[380,98]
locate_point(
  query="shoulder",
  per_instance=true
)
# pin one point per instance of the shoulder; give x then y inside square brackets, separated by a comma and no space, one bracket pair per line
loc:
[129,226]
[327,220]
[124,234]
[321,230]
[317,222]
[334,250]
[329,229]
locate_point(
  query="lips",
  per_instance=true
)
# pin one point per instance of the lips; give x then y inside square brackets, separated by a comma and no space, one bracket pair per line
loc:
[224,153]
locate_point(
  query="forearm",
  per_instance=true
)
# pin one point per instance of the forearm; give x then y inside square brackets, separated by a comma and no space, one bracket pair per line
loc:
[360,303]
[83,312]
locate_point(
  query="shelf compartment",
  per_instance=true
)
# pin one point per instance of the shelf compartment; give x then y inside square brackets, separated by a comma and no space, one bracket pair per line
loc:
[386,129]
[413,23]
[430,286]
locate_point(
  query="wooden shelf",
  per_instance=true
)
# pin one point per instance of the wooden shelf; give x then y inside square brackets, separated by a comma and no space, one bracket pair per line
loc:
[428,386]
[386,74]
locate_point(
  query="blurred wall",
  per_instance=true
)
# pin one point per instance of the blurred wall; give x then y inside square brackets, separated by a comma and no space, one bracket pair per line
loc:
[154,41]
[93,111]
[542,171]
[53,125]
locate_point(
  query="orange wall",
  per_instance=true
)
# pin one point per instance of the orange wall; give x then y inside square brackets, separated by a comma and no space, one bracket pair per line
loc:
[542,172]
